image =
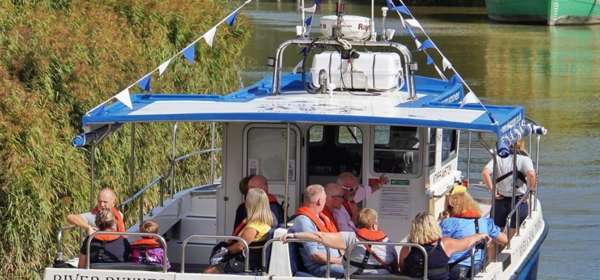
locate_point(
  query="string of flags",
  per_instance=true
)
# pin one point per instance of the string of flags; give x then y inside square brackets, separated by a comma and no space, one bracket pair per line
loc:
[410,23]
[188,52]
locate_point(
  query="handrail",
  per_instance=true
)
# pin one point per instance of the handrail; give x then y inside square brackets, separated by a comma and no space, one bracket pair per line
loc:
[167,175]
[514,211]
[246,249]
[162,241]
[197,152]
[295,240]
[59,237]
[408,244]
[152,183]
[403,50]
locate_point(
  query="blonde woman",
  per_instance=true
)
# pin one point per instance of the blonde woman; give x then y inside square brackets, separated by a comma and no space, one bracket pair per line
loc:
[254,228]
[465,219]
[425,231]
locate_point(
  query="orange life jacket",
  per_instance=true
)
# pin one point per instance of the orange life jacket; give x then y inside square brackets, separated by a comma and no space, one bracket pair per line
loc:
[327,212]
[146,242]
[469,214]
[370,235]
[323,223]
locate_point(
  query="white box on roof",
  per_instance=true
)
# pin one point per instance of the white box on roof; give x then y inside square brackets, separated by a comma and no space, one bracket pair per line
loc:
[372,70]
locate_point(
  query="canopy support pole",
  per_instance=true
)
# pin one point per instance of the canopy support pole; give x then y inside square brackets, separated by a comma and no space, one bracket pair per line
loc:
[212,152]
[286,167]
[92,174]
[173,158]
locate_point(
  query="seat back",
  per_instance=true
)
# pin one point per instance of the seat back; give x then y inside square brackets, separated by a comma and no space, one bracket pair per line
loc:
[279,262]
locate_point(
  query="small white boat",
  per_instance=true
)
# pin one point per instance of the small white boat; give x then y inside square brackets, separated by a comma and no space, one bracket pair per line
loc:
[359,108]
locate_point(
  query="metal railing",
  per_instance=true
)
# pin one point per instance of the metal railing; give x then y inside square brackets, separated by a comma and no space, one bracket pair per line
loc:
[407,244]
[246,250]
[515,211]
[170,174]
[161,240]
[294,240]
[59,236]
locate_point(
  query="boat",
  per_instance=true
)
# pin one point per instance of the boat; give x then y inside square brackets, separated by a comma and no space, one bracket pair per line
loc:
[550,12]
[360,107]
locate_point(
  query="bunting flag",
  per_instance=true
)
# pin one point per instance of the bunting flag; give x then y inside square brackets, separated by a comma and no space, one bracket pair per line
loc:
[124,98]
[231,19]
[312,9]
[414,23]
[470,98]
[401,9]
[144,83]
[210,36]
[418,44]
[390,4]
[308,21]
[427,44]
[190,53]
[446,63]
[163,67]
[429,60]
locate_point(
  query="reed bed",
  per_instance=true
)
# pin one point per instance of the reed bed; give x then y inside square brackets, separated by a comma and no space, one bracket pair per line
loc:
[59,59]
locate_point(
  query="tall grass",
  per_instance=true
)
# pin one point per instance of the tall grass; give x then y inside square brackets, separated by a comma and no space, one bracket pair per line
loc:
[58,59]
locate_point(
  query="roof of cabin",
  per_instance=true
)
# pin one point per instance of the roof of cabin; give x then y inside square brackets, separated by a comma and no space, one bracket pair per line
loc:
[437,105]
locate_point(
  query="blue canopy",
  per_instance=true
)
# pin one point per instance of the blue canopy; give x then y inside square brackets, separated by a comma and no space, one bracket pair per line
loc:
[437,105]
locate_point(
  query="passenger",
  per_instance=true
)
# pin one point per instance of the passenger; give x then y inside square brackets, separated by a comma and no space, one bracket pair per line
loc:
[425,231]
[334,209]
[86,221]
[147,250]
[258,181]
[375,259]
[465,219]
[504,184]
[254,228]
[355,193]
[309,218]
[105,248]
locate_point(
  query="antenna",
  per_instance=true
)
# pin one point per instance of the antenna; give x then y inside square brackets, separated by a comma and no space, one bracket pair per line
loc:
[373,33]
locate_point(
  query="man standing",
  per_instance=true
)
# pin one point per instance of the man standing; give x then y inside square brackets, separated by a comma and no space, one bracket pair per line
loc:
[87,221]
[309,218]
[526,178]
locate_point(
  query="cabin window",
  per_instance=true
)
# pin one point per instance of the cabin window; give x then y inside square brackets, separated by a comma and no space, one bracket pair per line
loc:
[338,150]
[315,134]
[349,135]
[431,146]
[266,152]
[396,150]
[449,143]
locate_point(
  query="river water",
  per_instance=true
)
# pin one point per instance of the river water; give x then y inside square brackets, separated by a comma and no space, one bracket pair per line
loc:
[554,72]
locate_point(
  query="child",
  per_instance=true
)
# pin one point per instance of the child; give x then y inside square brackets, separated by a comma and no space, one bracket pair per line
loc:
[147,250]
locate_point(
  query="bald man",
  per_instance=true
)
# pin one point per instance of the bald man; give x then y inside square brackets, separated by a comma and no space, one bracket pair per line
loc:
[87,221]
[259,181]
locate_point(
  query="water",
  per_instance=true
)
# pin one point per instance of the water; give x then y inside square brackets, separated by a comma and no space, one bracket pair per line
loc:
[554,72]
